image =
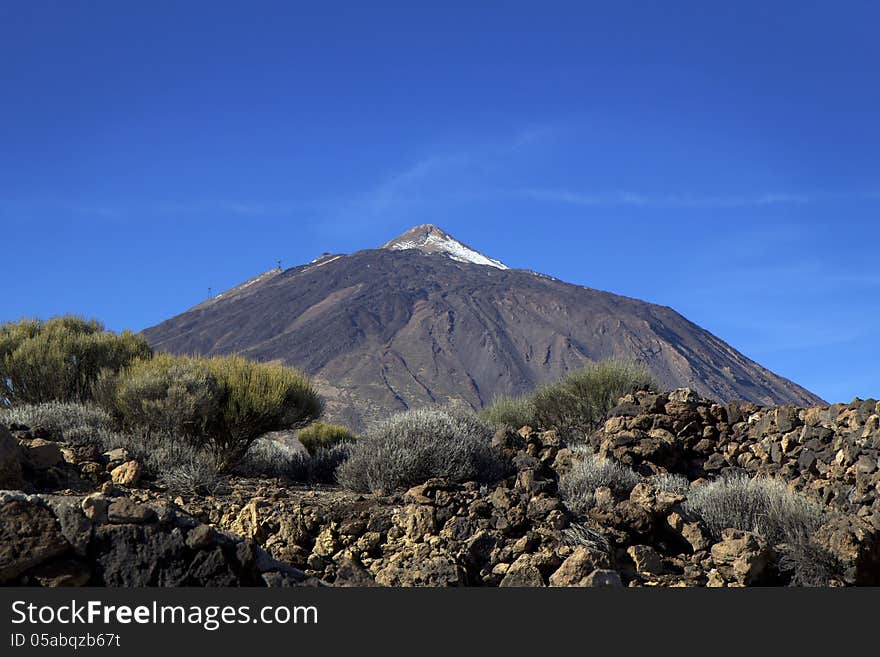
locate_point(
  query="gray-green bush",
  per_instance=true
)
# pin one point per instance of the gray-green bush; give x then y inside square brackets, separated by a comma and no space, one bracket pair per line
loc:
[785,519]
[59,359]
[669,482]
[510,413]
[412,447]
[71,421]
[270,458]
[764,506]
[578,485]
[220,404]
[579,401]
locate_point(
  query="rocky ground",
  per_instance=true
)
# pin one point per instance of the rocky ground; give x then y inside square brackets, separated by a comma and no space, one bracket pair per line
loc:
[82,517]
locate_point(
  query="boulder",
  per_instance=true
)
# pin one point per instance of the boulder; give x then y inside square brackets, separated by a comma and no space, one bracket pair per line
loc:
[42,454]
[741,556]
[127,474]
[578,566]
[29,535]
[523,573]
[855,545]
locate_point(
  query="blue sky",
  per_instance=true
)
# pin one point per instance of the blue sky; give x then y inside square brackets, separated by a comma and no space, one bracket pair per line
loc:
[719,158]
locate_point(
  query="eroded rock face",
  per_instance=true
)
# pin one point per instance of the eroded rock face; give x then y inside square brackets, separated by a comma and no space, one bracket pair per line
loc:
[29,535]
[56,541]
[855,545]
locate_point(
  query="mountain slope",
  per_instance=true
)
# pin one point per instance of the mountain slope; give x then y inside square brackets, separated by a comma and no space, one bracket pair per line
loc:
[426,319]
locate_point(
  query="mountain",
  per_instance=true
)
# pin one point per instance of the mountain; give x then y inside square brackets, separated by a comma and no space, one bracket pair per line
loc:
[426,319]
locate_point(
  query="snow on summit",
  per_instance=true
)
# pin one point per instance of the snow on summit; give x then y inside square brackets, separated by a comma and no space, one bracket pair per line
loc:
[430,239]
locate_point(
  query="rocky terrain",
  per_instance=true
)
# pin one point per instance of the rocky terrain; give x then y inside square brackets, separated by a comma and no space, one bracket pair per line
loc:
[426,319]
[81,517]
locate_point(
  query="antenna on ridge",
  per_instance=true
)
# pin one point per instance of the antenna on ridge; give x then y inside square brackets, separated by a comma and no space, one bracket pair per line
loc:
[210,290]
[279,265]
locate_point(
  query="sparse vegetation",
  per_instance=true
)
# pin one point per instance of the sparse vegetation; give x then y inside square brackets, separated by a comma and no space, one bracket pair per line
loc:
[578,485]
[320,435]
[579,401]
[669,482]
[270,458]
[60,359]
[764,506]
[510,413]
[219,404]
[72,421]
[785,519]
[412,447]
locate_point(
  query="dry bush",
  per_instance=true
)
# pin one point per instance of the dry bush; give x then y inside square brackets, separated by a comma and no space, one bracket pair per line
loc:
[412,447]
[578,485]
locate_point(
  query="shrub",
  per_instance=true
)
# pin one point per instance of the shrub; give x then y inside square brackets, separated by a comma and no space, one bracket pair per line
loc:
[270,458]
[182,466]
[259,398]
[509,413]
[414,446]
[176,395]
[669,482]
[59,359]
[578,485]
[320,435]
[221,404]
[579,401]
[764,506]
[71,421]
[785,519]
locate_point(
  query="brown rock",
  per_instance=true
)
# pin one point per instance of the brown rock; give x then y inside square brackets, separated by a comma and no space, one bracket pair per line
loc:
[43,454]
[741,556]
[124,511]
[201,537]
[127,474]
[648,562]
[10,461]
[577,568]
[29,535]
[95,507]
[523,573]
[603,579]
[418,521]
[856,545]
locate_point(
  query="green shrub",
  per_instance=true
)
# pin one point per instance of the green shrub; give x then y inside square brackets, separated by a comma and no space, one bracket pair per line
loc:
[59,359]
[578,485]
[321,435]
[259,398]
[412,447]
[220,404]
[579,401]
[510,413]
[175,395]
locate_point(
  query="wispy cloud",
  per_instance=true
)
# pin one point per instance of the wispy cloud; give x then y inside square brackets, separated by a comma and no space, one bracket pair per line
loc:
[669,200]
